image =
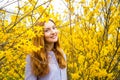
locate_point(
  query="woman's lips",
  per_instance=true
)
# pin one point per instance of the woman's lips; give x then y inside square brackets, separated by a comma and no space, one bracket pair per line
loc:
[54,37]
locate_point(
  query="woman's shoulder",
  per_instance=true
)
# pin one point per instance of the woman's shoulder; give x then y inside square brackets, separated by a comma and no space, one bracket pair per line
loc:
[28,58]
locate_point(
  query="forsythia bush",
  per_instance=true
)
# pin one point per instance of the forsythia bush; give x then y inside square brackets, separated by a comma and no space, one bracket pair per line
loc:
[89,34]
[92,41]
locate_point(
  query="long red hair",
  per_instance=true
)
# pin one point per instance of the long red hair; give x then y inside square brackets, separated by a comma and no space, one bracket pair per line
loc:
[39,58]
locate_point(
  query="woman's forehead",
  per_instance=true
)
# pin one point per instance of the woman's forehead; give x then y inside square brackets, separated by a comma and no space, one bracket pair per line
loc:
[49,24]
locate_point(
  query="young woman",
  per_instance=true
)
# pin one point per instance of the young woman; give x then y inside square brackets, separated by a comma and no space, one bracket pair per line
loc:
[49,62]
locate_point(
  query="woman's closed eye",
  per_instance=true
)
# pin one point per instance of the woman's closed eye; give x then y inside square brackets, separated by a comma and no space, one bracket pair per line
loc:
[54,28]
[46,30]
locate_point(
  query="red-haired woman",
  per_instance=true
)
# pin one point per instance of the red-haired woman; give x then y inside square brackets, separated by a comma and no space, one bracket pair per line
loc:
[49,62]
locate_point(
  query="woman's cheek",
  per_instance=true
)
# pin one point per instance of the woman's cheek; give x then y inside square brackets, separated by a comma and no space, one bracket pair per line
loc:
[47,35]
[57,31]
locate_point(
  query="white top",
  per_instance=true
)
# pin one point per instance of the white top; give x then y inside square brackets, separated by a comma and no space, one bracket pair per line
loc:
[55,73]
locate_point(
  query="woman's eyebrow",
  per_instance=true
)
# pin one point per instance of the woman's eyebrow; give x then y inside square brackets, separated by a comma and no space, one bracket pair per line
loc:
[46,28]
[54,26]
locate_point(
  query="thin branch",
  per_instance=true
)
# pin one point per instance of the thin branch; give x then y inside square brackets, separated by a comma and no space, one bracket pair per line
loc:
[8,4]
[18,11]
[33,10]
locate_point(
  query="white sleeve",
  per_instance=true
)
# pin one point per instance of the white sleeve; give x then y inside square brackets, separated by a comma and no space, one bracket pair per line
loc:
[28,72]
[64,71]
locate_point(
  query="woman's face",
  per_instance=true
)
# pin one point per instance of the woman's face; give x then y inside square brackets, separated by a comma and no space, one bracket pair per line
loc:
[50,32]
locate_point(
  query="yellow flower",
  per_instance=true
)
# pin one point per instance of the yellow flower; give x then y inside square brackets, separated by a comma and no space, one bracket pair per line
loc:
[81,59]
[75,76]
[102,73]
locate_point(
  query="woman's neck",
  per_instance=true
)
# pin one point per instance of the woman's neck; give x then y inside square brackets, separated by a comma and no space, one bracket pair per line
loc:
[49,46]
